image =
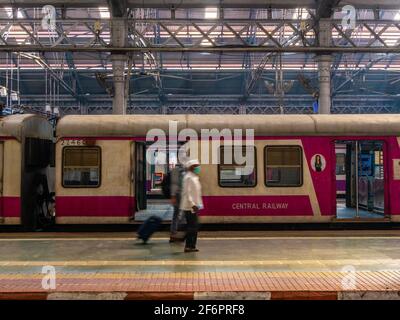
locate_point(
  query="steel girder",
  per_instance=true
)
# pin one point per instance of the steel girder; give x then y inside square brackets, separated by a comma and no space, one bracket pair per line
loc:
[201,35]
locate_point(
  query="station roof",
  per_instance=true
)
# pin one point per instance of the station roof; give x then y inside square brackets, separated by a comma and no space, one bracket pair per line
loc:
[270,125]
[201,81]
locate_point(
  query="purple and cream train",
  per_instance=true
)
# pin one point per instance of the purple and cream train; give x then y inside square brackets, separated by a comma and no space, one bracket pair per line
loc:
[100,168]
[26,170]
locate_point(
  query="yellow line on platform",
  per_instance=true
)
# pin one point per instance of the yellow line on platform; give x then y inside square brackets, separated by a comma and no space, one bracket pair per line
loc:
[210,238]
[102,263]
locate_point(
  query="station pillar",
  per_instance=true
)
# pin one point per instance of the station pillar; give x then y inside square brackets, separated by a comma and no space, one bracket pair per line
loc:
[324,78]
[119,63]
[324,66]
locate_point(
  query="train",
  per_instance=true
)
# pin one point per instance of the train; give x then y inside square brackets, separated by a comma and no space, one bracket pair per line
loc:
[306,168]
[26,170]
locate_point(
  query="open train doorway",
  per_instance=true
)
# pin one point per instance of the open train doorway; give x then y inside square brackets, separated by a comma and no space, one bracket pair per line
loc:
[360,180]
[150,171]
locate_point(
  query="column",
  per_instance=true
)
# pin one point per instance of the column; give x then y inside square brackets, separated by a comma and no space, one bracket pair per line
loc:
[324,67]
[324,78]
[119,61]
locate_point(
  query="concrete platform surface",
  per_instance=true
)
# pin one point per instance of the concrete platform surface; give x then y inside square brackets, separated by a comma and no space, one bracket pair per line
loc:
[245,265]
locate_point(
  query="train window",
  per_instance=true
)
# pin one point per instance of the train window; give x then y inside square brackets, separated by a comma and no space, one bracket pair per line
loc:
[232,174]
[81,167]
[283,166]
[340,164]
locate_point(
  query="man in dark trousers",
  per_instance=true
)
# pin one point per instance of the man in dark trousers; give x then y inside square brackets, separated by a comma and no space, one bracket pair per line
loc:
[191,203]
[177,175]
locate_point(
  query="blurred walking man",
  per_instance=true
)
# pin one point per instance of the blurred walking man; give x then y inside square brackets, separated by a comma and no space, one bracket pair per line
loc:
[177,175]
[191,203]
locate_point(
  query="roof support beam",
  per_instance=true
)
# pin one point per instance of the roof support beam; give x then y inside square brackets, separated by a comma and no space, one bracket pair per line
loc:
[361,4]
[298,49]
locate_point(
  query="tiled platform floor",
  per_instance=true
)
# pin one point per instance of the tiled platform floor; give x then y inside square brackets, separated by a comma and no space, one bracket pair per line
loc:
[279,264]
[321,285]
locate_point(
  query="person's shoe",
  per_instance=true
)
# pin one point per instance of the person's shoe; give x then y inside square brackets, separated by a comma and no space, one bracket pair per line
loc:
[191,250]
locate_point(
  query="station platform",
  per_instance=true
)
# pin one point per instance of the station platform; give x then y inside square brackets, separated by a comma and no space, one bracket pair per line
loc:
[334,265]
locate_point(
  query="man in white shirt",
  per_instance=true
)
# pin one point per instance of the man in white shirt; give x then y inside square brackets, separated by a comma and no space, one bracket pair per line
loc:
[191,203]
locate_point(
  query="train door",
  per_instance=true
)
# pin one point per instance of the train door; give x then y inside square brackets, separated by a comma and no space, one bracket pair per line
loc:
[1,180]
[140,176]
[364,183]
[157,168]
[36,199]
[149,177]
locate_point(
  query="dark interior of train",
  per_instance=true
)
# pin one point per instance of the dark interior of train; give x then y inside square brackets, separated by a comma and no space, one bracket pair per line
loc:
[36,194]
[364,180]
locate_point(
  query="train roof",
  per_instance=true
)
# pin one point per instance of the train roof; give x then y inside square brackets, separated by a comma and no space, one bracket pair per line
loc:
[263,125]
[25,125]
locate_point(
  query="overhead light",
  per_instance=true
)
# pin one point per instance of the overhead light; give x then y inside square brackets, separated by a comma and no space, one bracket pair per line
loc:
[104,13]
[10,13]
[20,14]
[211,13]
[397,16]
[3,91]
[205,42]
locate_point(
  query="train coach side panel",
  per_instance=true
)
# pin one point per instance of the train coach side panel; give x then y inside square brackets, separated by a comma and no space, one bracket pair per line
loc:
[112,201]
[312,201]
[11,198]
[323,179]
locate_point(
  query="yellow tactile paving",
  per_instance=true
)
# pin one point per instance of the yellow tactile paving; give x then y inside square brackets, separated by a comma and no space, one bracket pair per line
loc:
[302,263]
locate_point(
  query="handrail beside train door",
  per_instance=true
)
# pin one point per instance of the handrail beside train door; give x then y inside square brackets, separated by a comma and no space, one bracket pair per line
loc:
[140,175]
[357,177]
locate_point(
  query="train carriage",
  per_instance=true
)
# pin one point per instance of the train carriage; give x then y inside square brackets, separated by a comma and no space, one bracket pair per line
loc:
[102,172]
[26,176]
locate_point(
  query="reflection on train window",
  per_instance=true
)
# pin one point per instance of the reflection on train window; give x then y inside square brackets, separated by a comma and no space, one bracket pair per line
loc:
[340,164]
[81,167]
[284,167]
[234,173]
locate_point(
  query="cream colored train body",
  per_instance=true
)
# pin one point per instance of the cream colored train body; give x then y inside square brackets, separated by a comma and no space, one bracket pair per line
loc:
[100,161]
[25,151]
